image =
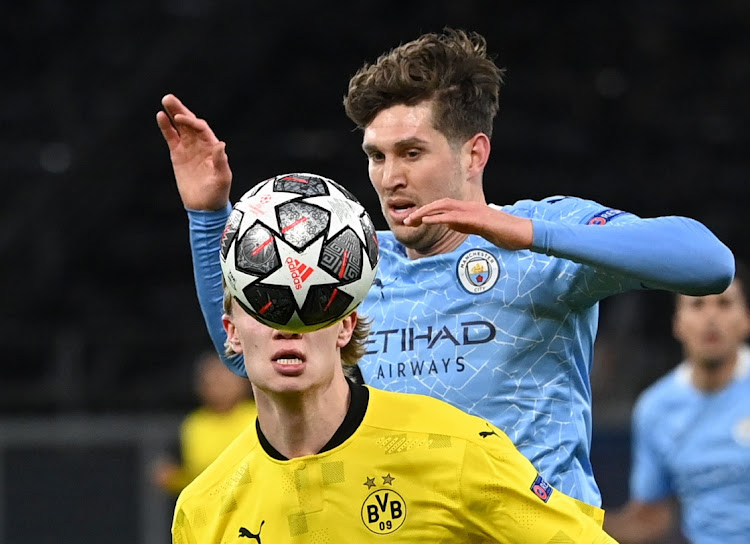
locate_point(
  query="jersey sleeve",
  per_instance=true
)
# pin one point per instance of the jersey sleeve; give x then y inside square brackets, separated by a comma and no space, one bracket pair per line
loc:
[670,252]
[507,501]
[206,228]
[181,532]
[649,478]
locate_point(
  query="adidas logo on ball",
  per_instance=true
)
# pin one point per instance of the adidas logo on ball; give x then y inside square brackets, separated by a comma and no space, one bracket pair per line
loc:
[300,271]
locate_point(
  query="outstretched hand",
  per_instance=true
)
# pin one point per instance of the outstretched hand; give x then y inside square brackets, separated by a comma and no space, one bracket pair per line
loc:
[471,217]
[200,163]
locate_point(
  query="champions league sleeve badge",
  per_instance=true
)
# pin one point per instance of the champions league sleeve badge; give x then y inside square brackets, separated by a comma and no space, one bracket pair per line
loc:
[477,271]
[541,488]
[604,217]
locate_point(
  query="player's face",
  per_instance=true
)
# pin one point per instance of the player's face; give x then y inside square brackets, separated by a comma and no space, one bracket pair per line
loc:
[411,164]
[287,363]
[711,328]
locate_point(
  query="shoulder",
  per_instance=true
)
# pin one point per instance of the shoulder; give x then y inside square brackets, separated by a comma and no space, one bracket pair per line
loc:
[420,414]
[391,405]
[670,388]
[568,209]
[196,418]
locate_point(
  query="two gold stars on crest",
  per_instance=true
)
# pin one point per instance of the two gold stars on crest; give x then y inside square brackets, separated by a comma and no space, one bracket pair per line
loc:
[387,480]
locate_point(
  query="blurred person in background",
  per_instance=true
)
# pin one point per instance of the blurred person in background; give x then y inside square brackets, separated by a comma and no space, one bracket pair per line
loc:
[691,430]
[226,408]
[493,309]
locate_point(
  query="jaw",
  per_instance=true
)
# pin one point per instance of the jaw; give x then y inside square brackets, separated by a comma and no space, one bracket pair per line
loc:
[410,237]
[427,240]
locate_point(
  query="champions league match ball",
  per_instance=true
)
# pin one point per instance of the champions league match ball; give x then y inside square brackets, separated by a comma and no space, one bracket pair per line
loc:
[299,252]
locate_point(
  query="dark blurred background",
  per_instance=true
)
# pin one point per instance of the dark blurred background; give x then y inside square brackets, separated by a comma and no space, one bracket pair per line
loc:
[642,105]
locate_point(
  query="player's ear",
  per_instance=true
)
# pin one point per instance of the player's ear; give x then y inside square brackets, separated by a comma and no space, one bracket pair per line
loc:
[346,329]
[476,153]
[232,338]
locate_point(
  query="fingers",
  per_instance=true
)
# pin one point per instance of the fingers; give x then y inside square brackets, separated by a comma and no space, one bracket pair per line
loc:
[165,119]
[432,210]
[438,216]
[219,154]
[173,106]
[168,130]
[180,116]
[179,125]
[184,120]
[192,123]
[221,162]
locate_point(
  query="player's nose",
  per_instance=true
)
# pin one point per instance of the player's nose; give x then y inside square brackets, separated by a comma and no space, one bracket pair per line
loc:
[394,174]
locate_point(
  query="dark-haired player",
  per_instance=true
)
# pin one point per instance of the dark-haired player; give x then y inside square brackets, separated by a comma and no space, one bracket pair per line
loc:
[491,308]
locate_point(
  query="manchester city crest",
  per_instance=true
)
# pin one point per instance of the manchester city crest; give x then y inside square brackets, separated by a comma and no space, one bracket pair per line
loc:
[478,271]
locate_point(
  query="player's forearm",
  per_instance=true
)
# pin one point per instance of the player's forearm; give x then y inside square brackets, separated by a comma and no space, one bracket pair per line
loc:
[640,523]
[206,228]
[673,253]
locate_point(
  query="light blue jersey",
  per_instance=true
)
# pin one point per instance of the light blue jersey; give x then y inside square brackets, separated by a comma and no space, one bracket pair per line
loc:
[505,335]
[695,446]
[508,335]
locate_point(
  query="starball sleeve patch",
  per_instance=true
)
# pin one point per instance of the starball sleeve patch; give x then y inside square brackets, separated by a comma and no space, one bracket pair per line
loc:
[604,216]
[541,488]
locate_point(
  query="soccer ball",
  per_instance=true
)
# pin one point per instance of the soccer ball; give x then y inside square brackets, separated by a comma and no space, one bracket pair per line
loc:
[299,252]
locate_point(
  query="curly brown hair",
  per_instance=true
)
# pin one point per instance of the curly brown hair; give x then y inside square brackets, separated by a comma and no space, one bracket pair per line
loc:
[452,68]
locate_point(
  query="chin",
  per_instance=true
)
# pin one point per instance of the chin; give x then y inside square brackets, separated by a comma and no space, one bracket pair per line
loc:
[714,358]
[409,236]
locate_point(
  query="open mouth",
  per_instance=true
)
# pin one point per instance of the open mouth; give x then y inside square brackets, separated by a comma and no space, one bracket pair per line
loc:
[288,361]
[288,358]
[400,209]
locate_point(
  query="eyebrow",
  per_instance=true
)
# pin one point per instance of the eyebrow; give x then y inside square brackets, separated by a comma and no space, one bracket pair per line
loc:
[399,145]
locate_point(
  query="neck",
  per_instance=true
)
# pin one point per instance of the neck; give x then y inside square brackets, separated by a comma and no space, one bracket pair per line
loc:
[301,423]
[450,240]
[712,376]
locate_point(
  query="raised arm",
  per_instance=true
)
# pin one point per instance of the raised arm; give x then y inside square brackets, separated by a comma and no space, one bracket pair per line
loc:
[199,160]
[673,253]
[204,179]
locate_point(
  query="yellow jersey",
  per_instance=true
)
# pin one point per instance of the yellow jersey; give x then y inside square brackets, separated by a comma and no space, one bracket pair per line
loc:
[401,468]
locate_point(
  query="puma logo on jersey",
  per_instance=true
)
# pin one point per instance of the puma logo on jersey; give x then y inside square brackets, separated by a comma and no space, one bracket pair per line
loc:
[299,271]
[255,536]
[485,434]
